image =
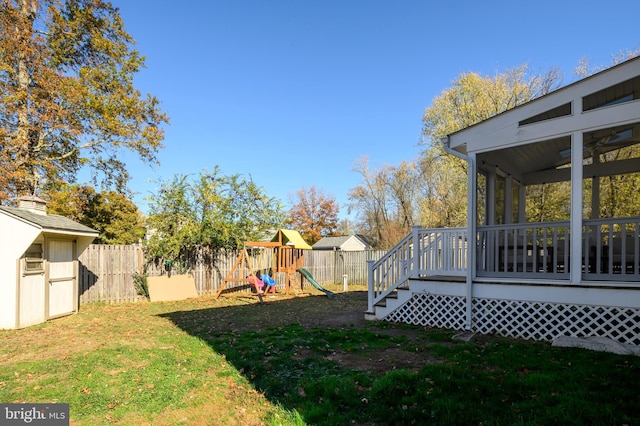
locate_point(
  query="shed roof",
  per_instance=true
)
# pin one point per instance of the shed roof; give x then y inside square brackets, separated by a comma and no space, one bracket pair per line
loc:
[49,222]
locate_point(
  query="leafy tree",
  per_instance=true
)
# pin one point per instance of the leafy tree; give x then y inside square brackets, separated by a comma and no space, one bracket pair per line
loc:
[314,214]
[111,213]
[474,98]
[346,227]
[117,219]
[369,200]
[471,99]
[585,68]
[444,189]
[171,219]
[71,201]
[548,202]
[210,213]
[67,97]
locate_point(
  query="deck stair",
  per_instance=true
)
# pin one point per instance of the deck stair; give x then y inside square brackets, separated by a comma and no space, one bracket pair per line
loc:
[421,254]
[391,302]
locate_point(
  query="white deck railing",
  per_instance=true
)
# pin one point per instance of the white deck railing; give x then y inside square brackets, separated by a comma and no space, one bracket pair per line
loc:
[610,252]
[528,250]
[613,246]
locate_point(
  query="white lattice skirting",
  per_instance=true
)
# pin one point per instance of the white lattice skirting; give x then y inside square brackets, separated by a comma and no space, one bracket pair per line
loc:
[521,319]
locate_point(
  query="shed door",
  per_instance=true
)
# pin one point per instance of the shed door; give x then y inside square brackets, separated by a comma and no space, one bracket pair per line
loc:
[61,278]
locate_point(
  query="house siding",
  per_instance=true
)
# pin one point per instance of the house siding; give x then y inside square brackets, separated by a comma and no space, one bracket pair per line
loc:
[352,244]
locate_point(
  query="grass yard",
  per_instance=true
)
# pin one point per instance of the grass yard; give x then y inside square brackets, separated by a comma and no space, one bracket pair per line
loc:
[302,360]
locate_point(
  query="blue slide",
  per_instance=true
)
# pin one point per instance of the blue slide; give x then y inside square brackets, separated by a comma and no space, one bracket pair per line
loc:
[315,283]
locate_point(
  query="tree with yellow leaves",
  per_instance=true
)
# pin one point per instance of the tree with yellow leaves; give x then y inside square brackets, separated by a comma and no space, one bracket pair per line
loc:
[67,97]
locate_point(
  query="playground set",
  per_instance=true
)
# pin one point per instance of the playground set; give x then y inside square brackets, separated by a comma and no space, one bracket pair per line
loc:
[259,269]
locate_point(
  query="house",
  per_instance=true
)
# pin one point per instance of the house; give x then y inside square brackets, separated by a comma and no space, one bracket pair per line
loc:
[508,275]
[342,242]
[38,263]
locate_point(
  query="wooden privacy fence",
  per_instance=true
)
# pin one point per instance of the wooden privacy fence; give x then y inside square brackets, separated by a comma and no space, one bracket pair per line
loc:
[106,271]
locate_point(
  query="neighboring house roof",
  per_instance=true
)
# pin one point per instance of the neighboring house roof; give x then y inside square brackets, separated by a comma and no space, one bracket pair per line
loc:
[291,237]
[49,222]
[327,243]
[337,242]
[365,240]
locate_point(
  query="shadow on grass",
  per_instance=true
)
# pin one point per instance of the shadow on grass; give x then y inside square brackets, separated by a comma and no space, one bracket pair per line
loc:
[312,355]
[246,314]
[320,360]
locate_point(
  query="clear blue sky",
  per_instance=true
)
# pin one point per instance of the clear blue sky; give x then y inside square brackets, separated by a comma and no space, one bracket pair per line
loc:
[292,93]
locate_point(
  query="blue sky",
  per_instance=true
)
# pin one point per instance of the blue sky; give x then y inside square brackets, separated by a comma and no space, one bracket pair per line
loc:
[293,93]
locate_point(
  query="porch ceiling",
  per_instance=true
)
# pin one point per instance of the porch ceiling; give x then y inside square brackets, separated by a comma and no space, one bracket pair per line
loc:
[526,162]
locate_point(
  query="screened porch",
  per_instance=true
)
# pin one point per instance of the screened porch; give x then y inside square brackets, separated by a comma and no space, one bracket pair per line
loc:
[578,175]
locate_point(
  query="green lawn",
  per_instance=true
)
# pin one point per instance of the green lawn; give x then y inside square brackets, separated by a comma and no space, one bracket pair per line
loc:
[302,360]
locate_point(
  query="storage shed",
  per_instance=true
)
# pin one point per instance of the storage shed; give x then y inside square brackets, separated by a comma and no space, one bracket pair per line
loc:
[38,263]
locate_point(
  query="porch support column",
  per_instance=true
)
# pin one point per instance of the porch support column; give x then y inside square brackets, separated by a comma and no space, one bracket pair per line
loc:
[508,200]
[522,203]
[576,207]
[472,239]
[595,190]
[491,197]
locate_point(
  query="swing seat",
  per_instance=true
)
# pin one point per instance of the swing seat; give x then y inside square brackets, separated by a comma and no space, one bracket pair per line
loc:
[257,285]
[269,283]
[255,291]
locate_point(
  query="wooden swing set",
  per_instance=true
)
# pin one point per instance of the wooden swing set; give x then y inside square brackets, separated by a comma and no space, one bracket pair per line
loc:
[284,257]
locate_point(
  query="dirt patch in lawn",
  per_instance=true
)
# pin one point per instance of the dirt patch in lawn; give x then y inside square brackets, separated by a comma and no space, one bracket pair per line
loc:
[384,360]
[345,311]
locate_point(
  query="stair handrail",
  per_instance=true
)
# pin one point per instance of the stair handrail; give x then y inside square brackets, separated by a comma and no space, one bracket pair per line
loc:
[401,263]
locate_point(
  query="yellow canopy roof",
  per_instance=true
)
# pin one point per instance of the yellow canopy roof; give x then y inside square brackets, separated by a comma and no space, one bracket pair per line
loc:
[291,238]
